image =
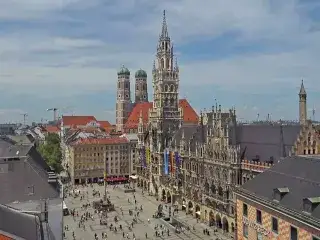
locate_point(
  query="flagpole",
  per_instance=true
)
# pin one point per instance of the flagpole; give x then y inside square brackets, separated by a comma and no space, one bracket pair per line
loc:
[105,176]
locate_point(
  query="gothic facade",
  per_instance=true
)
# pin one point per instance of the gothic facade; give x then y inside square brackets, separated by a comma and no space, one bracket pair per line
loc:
[217,154]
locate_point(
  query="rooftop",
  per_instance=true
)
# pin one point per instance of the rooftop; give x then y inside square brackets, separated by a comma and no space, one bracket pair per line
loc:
[103,141]
[189,114]
[77,120]
[297,177]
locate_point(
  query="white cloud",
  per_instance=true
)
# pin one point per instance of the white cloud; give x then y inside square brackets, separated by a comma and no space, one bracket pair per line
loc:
[54,63]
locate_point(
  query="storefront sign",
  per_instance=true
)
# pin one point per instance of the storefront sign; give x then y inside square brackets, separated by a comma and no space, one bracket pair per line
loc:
[256,226]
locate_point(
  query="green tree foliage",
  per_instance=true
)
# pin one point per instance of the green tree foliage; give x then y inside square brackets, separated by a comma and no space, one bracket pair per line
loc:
[51,151]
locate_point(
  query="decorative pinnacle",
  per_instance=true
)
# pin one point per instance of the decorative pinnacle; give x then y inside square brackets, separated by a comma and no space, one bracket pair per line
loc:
[164,32]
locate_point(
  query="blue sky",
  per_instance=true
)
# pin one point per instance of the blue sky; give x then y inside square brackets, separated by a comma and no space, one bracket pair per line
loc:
[251,54]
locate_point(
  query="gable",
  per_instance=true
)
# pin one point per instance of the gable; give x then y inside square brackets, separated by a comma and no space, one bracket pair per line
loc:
[189,114]
[77,120]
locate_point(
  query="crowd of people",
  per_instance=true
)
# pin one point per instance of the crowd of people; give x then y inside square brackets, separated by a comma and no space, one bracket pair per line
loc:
[89,212]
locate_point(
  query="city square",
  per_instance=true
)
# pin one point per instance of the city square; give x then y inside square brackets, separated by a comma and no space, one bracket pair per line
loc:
[145,226]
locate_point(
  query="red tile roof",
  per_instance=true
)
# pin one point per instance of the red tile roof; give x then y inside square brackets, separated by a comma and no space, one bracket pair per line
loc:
[77,120]
[3,237]
[106,141]
[105,124]
[189,114]
[52,129]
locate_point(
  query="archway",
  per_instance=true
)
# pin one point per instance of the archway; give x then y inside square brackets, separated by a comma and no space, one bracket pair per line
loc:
[220,191]
[232,227]
[225,224]
[190,207]
[218,221]
[211,219]
[198,212]
[163,198]
[184,206]
[168,197]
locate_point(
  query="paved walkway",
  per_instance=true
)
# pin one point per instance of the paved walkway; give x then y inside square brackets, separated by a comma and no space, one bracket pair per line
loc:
[120,199]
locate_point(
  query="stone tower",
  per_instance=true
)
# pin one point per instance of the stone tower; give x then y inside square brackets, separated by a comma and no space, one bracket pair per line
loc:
[141,88]
[123,105]
[302,105]
[165,115]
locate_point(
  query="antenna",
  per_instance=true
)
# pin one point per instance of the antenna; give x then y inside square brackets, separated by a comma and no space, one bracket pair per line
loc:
[258,115]
[313,114]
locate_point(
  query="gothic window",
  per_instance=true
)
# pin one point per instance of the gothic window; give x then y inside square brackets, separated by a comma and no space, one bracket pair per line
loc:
[213,188]
[119,85]
[171,88]
[220,191]
[172,102]
[144,87]
[166,88]
[166,48]
[314,151]
[137,87]
[126,85]
[162,63]
[167,64]
[166,102]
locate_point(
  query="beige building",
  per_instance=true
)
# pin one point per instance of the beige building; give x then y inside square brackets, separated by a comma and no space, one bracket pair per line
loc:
[87,158]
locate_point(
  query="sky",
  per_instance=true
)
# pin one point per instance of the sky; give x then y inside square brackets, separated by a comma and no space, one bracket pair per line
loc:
[249,54]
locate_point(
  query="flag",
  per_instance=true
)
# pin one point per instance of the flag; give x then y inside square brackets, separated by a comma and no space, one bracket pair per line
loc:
[148,155]
[171,163]
[164,161]
[143,158]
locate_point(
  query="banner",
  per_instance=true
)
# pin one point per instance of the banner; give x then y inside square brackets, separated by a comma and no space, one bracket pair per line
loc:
[168,159]
[143,158]
[171,162]
[164,161]
[148,155]
[176,156]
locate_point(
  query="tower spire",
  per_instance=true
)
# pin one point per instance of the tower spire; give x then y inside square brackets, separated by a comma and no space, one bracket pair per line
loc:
[302,89]
[164,32]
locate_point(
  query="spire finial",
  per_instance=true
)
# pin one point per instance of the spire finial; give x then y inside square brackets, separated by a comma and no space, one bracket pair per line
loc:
[164,33]
[302,89]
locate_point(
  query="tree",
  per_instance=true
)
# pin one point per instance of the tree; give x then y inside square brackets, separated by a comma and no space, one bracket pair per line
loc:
[51,151]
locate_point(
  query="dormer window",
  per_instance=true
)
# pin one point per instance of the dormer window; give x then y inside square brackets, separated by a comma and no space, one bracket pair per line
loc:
[309,204]
[279,193]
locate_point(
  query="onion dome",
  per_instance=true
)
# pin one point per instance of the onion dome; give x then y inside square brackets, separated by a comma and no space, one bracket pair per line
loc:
[141,74]
[123,71]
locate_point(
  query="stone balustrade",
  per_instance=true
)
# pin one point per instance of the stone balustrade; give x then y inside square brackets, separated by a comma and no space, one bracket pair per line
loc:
[255,166]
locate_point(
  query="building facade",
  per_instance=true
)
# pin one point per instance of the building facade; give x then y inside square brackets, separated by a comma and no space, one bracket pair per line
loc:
[89,158]
[272,206]
[216,154]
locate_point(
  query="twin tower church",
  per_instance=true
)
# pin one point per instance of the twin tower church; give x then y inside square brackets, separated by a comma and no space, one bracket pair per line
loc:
[165,77]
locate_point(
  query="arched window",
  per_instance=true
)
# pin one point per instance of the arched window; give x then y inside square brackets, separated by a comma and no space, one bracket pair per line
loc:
[167,64]
[166,88]
[162,63]
[171,88]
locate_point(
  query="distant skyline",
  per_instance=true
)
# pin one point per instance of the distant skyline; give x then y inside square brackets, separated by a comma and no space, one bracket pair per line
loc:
[249,54]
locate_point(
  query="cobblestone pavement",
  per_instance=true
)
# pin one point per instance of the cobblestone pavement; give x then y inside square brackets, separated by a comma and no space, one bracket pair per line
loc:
[120,199]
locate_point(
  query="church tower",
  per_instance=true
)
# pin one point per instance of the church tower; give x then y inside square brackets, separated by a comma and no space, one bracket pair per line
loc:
[123,104]
[141,88]
[165,115]
[302,105]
